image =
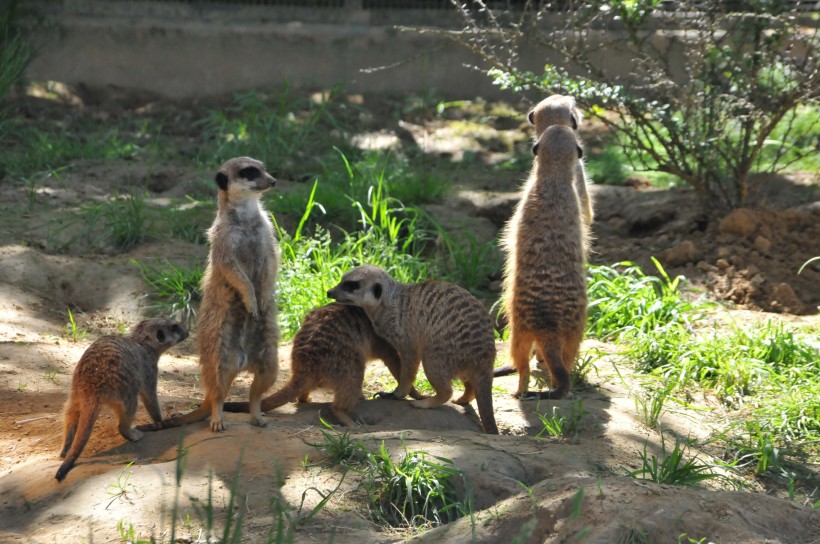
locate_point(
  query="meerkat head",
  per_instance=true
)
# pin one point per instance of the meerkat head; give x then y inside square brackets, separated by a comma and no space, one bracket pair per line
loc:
[160,334]
[555,110]
[364,286]
[241,177]
[558,144]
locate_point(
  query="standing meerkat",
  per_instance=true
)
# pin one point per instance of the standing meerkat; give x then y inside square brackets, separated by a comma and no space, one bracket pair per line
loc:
[331,350]
[237,328]
[544,279]
[114,371]
[562,110]
[438,324]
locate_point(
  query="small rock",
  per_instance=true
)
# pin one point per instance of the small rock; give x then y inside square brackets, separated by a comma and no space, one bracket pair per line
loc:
[762,244]
[723,252]
[706,267]
[758,280]
[740,222]
[683,253]
[723,264]
[784,295]
[752,271]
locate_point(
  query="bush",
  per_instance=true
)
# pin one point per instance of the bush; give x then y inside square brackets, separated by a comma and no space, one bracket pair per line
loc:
[741,100]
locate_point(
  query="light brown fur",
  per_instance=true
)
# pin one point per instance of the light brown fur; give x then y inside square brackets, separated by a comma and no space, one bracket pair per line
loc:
[544,278]
[331,350]
[437,324]
[115,371]
[237,327]
[562,110]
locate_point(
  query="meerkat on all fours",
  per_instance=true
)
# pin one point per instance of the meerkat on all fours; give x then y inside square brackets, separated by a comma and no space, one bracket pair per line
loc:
[438,324]
[115,371]
[544,278]
[236,328]
[562,110]
[331,350]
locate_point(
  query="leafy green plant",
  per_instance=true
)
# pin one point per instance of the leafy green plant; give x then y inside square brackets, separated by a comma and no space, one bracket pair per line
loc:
[711,117]
[175,290]
[650,404]
[15,50]
[607,168]
[469,263]
[556,424]
[74,331]
[553,422]
[389,237]
[623,298]
[120,488]
[672,468]
[417,491]
[339,448]
[281,127]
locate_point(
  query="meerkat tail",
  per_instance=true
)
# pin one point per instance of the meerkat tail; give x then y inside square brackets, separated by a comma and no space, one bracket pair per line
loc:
[288,393]
[505,370]
[484,401]
[88,415]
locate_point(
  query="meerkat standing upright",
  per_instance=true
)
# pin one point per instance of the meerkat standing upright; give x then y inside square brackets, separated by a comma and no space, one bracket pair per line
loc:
[331,350]
[544,278]
[562,110]
[237,328]
[438,324]
[114,371]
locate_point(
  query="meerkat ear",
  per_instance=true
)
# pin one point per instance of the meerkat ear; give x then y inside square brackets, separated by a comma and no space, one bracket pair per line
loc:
[531,117]
[377,291]
[574,119]
[160,336]
[580,152]
[222,181]
[535,149]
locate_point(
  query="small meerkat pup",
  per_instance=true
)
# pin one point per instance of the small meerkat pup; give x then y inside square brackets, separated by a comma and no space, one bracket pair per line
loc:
[562,110]
[237,327]
[438,324]
[114,371]
[544,278]
[331,350]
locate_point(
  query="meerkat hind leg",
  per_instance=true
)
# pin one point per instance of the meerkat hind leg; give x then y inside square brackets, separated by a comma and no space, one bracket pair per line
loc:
[552,354]
[469,394]
[443,387]
[261,382]
[125,414]
[520,349]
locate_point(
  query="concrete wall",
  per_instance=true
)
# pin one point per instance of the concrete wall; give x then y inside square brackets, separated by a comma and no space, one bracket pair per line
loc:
[184,50]
[198,49]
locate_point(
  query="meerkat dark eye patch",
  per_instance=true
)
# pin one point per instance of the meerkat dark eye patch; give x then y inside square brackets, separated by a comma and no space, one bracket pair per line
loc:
[250,173]
[222,181]
[160,336]
[377,291]
[350,286]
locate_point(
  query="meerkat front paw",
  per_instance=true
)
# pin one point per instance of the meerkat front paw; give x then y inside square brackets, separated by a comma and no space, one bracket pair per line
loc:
[258,421]
[134,435]
[217,425]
